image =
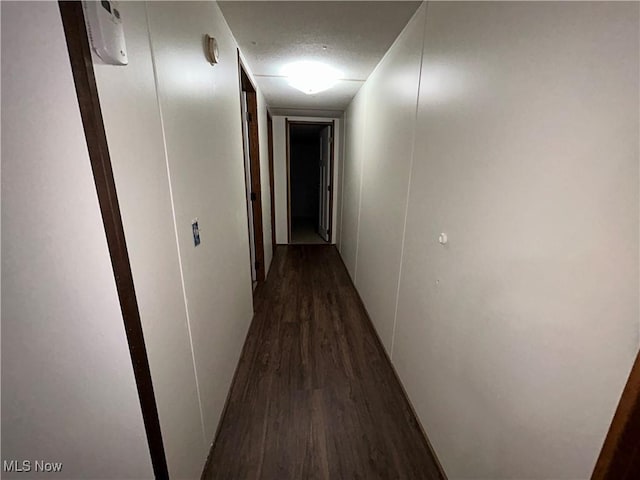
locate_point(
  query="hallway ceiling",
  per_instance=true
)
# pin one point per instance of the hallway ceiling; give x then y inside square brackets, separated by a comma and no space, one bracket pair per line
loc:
[356,34]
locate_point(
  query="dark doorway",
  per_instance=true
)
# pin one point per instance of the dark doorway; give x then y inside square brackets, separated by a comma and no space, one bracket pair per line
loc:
[310,163]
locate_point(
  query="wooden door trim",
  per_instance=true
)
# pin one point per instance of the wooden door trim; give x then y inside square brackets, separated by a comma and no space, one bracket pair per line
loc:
[332,165]
[247,86]
[311,122]
[288,124]
[93,124]
[619,458]
[288,149]
[271,181]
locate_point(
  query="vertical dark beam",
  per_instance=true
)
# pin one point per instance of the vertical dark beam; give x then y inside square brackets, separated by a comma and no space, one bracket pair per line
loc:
[271,182]
[620,455]
[86,89]
[332,166]
[247,87]
[256,187]
[288,147]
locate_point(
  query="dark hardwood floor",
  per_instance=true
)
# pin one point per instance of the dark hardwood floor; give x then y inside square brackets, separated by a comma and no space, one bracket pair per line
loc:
[315,396]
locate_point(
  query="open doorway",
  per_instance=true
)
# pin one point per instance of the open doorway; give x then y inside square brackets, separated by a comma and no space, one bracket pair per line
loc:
[249,110]
[310,179]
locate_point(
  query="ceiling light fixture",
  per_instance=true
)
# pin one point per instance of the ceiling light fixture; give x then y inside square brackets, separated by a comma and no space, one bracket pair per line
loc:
[311,77]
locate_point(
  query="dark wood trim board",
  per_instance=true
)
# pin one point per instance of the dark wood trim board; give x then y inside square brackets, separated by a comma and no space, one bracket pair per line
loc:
[91,113]
[620,455]
[247,86]
[333,176]
[288,149]
[271,181]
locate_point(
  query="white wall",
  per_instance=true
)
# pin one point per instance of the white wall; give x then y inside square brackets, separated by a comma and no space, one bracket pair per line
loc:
[203,135]
[526,154]
[386,163]
[176,145]
[355,120]
[135,137]
[280,178]
[68,390]
[263,134]
[280,173]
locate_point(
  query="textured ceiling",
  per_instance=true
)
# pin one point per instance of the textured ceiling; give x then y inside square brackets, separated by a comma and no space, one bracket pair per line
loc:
[351,36]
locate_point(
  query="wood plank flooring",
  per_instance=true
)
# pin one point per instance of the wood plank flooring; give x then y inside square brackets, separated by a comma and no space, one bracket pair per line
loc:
[315,396]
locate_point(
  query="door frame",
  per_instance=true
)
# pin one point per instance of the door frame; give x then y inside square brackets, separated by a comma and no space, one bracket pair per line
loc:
[75,32]
[331,124]
[271,181]
[619,458]
[247,86]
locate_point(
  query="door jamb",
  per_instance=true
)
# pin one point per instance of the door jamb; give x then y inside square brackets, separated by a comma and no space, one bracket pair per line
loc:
[619,458]
[288,149]
[246,85]
[81,60]
[271,181]
[333,176]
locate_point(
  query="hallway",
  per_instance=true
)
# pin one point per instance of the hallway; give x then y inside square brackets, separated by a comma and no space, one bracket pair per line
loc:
[315,395]
[461,299]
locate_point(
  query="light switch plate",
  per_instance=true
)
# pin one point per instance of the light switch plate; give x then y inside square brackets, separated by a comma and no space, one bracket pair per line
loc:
[196,232]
